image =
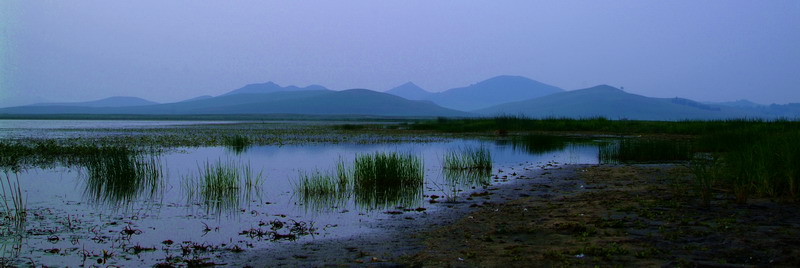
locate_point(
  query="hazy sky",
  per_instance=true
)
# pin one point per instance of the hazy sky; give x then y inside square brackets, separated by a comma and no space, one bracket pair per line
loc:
[174,50]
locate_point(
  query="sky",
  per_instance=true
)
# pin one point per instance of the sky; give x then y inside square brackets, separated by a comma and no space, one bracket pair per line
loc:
[174,50]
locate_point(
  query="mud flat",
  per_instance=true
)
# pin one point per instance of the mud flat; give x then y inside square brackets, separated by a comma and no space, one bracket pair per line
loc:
[404,234]
[573,215]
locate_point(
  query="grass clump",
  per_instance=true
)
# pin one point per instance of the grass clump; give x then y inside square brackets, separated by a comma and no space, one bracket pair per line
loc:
[14,205]
[119,176]
[476,158]
[221,185]
[319,183]
[386,179]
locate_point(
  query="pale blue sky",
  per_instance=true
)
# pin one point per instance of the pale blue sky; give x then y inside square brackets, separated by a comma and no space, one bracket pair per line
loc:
[174,50]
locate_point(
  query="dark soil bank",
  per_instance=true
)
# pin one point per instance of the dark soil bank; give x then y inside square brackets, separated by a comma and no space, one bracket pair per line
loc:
[576,215]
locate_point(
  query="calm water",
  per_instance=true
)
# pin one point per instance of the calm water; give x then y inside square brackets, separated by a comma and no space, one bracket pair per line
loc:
[73,214]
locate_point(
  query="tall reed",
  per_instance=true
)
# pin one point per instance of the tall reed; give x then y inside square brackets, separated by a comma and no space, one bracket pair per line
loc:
[120,176]
[386,179]
[468,158]
[14,204]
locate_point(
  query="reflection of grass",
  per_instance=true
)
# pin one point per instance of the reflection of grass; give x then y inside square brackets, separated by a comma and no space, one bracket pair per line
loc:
[386,179]
[237,143]
[644,151]
[462,177]
[468,158]
[119,176]
[221,185]
[539,144]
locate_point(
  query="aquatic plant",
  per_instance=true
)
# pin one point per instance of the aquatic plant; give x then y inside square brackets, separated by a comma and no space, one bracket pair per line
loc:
[237,143]
[14,204]
[118,176]
[386,179]
[321,190]
[221,185]
[468,158]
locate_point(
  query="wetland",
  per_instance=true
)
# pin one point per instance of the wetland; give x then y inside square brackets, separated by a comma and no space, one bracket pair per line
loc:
[204,193]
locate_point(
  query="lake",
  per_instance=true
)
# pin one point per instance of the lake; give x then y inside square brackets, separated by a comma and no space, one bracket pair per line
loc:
[140,209]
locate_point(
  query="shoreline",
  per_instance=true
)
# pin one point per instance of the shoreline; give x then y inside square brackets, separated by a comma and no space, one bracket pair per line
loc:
[396,237]
[571,215]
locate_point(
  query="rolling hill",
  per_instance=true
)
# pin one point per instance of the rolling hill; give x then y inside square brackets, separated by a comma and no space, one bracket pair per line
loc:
[270,87]
[613,103]
[494,91]
[312,102]
[410,91]
[107,102]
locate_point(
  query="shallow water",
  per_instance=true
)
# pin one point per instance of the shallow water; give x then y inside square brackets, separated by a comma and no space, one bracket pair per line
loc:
[72,213]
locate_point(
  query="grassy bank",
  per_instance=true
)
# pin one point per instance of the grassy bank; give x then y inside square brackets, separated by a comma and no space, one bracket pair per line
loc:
[746,158]
[601,125]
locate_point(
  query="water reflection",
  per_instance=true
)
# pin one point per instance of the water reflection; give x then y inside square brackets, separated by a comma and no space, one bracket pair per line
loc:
[468,177]
[540,144]
[222,186]
[643,151]
[119,177]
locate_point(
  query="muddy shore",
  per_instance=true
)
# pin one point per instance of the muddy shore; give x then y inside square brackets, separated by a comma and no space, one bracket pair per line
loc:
[572,215]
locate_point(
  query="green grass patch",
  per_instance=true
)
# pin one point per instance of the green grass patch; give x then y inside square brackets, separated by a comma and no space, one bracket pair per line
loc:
[387,179]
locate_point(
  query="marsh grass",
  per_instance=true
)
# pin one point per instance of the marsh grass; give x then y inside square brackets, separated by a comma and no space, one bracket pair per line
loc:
[472,158]
[221,185]
[324,190]
[14,204]
[321,183]
[602,125]
[387,179]
[119,176]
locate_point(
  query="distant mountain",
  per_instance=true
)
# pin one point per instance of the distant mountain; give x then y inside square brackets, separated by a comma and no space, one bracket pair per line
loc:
[613,103]
[312,102]
[270,87]
[107,102]
[410,91]
[198,98]
[497,90]
[737,104]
